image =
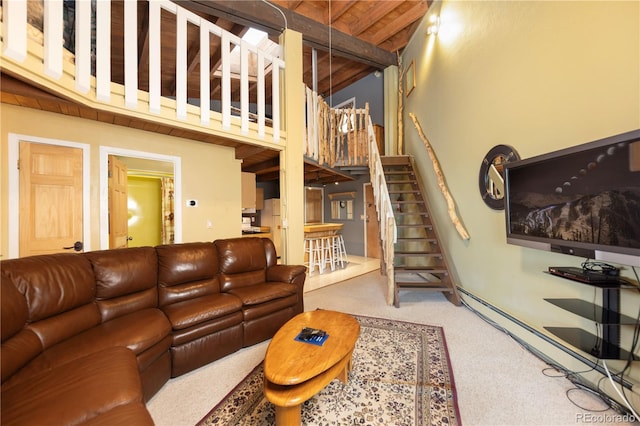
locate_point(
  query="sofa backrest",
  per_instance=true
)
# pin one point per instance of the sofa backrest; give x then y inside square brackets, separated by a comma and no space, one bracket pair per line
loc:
[45,300]
[186,271]
[243,262]
[270,252]
[126,280]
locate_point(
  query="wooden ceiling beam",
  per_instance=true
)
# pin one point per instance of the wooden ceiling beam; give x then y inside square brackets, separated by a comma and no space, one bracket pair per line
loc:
[262,16]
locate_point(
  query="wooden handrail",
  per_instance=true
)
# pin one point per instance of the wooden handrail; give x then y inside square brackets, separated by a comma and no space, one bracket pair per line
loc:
[384,208]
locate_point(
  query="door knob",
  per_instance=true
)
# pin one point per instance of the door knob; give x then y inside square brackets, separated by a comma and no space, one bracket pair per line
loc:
[77,246]
[129,238]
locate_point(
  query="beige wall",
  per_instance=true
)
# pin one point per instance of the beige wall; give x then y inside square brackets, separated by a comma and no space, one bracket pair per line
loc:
[538,76]
[210,173]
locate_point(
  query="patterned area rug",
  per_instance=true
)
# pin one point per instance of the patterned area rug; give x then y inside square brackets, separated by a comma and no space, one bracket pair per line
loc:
[401,376]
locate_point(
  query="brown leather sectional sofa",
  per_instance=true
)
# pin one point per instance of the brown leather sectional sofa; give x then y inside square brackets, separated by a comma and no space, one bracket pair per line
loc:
[88,338]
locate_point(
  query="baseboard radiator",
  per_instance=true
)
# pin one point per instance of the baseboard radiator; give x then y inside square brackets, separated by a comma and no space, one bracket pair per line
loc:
[469,298]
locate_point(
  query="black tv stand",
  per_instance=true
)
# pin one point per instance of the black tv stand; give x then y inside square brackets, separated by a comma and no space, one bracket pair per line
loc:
[607,315]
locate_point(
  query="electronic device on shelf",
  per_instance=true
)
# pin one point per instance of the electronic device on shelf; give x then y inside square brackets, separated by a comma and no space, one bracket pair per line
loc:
[578,201]
[584,275]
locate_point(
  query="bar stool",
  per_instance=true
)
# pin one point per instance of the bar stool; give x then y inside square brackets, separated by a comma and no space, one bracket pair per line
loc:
[340,253]
[328,252]
[313,249]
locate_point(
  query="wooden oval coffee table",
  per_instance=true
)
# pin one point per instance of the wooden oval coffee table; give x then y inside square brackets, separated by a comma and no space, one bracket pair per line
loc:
[295,371]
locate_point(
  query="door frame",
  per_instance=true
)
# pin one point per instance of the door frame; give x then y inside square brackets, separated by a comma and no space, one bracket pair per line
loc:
[105,151]
[13,218]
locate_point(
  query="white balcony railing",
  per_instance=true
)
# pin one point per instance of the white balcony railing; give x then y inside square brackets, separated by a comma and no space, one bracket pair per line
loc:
[32,41]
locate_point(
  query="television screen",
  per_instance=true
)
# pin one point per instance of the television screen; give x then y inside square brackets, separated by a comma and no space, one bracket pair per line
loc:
[583,200]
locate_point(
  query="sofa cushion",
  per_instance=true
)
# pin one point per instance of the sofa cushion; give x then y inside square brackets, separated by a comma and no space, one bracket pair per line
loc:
[125,280]
[262,293]
[131,414]
[51,284]
[19,346]
[75,392]
[243,262]
[186,271]
[200,310]
[124,331]
[45,300]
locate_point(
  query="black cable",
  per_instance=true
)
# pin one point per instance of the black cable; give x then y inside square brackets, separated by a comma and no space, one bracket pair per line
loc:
[571,376]
[634,347]
[600,267]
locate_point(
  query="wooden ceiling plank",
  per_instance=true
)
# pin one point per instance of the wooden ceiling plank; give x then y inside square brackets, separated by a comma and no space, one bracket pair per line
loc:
[9,98]
[262,16]
[376,12]
[143,36]
[264,165]
[246,151]
[293,4]
[339,8]
[412,15]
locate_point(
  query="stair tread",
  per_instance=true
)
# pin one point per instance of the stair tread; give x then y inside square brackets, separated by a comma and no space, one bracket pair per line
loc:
[398,170]
[419,269]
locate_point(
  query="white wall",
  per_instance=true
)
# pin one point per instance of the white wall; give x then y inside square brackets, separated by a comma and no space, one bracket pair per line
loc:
[538,76]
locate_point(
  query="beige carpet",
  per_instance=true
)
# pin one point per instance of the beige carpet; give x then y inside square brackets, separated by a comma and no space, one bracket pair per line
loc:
[497,381]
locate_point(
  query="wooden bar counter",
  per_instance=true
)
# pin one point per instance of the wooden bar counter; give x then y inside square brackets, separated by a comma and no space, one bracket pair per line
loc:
[319,229]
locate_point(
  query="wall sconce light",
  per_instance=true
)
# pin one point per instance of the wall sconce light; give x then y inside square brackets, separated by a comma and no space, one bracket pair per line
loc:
[434,25]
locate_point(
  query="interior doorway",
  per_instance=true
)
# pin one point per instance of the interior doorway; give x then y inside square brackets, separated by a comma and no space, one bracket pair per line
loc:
[152,180]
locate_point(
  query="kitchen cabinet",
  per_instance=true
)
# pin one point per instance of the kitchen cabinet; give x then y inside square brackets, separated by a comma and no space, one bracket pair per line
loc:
[248,190]
[259,198]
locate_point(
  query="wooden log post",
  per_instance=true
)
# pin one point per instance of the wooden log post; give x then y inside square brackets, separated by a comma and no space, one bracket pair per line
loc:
[451,206]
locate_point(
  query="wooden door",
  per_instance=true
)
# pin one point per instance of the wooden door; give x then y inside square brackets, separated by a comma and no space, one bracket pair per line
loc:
[118,210]
[313,205]
[50,180]
[374,248]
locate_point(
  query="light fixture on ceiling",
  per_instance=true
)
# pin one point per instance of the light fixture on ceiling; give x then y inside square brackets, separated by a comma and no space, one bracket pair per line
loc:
[434,25]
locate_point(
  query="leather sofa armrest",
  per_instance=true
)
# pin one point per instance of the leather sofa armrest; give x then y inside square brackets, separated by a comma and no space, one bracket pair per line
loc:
[286,273]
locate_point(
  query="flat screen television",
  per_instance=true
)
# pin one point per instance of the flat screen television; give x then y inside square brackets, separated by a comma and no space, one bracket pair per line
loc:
[583,200]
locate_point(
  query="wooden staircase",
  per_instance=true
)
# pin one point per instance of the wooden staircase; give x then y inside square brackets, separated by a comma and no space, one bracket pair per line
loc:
[419,260]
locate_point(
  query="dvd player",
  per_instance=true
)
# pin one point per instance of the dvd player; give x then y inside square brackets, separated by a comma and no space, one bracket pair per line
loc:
[583,275]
